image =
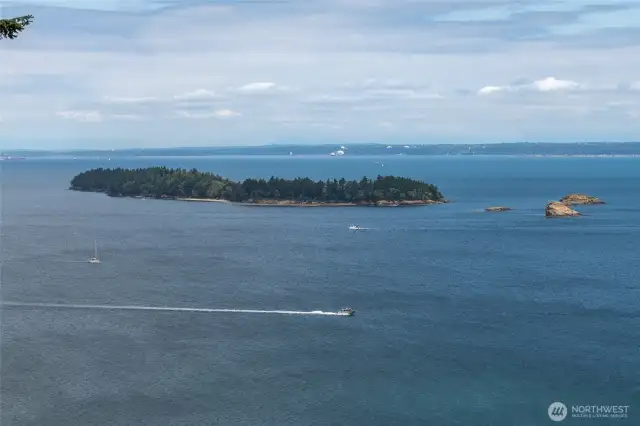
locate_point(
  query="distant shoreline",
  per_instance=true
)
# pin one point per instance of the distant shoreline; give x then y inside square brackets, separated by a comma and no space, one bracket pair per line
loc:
[201,200]
[344,149]
[321,156]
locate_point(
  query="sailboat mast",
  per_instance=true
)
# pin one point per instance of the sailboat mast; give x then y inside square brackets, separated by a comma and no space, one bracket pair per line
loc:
[95,249]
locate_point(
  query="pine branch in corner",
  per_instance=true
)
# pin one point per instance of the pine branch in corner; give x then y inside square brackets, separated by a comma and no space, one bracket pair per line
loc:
[10,28]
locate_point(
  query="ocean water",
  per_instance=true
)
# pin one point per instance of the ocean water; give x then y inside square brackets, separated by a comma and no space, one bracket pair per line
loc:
[463,317]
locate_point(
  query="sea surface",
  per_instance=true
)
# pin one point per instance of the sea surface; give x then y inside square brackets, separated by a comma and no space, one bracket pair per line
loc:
[463,317]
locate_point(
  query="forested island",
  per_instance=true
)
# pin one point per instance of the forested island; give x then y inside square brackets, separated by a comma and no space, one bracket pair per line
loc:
[182,184]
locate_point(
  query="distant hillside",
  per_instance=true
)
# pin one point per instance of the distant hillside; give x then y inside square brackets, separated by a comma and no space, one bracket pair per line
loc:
[544,149]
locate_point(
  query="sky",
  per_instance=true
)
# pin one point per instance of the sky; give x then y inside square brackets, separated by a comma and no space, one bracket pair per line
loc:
[158,73]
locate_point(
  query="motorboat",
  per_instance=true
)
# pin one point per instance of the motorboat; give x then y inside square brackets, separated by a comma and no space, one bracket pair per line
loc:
[347,312]
[354,227]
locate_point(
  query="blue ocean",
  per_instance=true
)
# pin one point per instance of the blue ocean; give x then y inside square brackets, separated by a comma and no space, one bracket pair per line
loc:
[463,317]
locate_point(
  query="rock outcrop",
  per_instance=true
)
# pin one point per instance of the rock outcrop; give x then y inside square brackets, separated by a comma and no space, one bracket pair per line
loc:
[498,209]
[572,199]
[558,209]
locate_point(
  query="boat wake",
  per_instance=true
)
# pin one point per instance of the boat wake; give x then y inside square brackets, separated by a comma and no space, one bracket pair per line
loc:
[166,309]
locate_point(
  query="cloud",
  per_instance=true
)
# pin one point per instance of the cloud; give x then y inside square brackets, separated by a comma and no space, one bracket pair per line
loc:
[258,87]
[226,113]
[549,84]
[128,117]
[221,114]
[487,90]
[128,100]
[196,94]
[371,91]
[320,70]
[84,116]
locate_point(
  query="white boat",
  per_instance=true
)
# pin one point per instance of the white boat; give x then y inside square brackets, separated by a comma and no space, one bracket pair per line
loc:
[354,227]
[95,258]
[346,312]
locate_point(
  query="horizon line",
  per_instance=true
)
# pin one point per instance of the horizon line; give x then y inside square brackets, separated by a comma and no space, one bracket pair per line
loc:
[310,146]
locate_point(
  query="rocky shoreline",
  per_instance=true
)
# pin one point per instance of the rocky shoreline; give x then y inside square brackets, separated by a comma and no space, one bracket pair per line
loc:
[294,203]
[286,203]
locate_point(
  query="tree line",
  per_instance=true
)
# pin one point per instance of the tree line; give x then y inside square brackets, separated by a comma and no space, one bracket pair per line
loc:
[163,182]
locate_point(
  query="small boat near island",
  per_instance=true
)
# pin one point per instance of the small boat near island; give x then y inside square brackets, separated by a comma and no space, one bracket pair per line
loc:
[346,312]
[95,258]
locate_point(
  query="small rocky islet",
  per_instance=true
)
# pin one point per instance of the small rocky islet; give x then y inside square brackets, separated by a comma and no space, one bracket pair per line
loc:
[497,209]
[560,208]
[577,199]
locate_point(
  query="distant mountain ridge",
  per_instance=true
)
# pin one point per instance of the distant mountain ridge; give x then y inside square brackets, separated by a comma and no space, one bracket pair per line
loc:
[518,148]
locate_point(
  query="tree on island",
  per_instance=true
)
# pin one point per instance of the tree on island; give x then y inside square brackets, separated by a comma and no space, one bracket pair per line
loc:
[10,28]
[162,182]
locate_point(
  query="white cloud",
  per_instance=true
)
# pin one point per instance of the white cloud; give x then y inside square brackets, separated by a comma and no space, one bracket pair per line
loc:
[221,114]
[487,90]
[402,94]
[127,100]
[84,116]
[261,86]
[226,113]
[129,117]
[549,84]
[197,94]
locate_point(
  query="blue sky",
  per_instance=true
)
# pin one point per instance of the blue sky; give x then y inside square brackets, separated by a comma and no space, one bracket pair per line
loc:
[116,73]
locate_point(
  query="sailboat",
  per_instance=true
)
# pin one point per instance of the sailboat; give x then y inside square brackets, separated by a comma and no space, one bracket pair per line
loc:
[94,259]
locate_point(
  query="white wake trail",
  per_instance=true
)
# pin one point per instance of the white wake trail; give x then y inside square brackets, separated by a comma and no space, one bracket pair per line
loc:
[164,308]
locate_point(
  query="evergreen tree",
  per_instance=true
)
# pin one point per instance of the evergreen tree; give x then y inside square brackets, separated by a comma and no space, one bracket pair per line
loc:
[10,28]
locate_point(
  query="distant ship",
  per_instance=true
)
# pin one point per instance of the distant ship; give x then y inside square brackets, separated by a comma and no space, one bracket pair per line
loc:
[346,312]
[10,158]
[355,228]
